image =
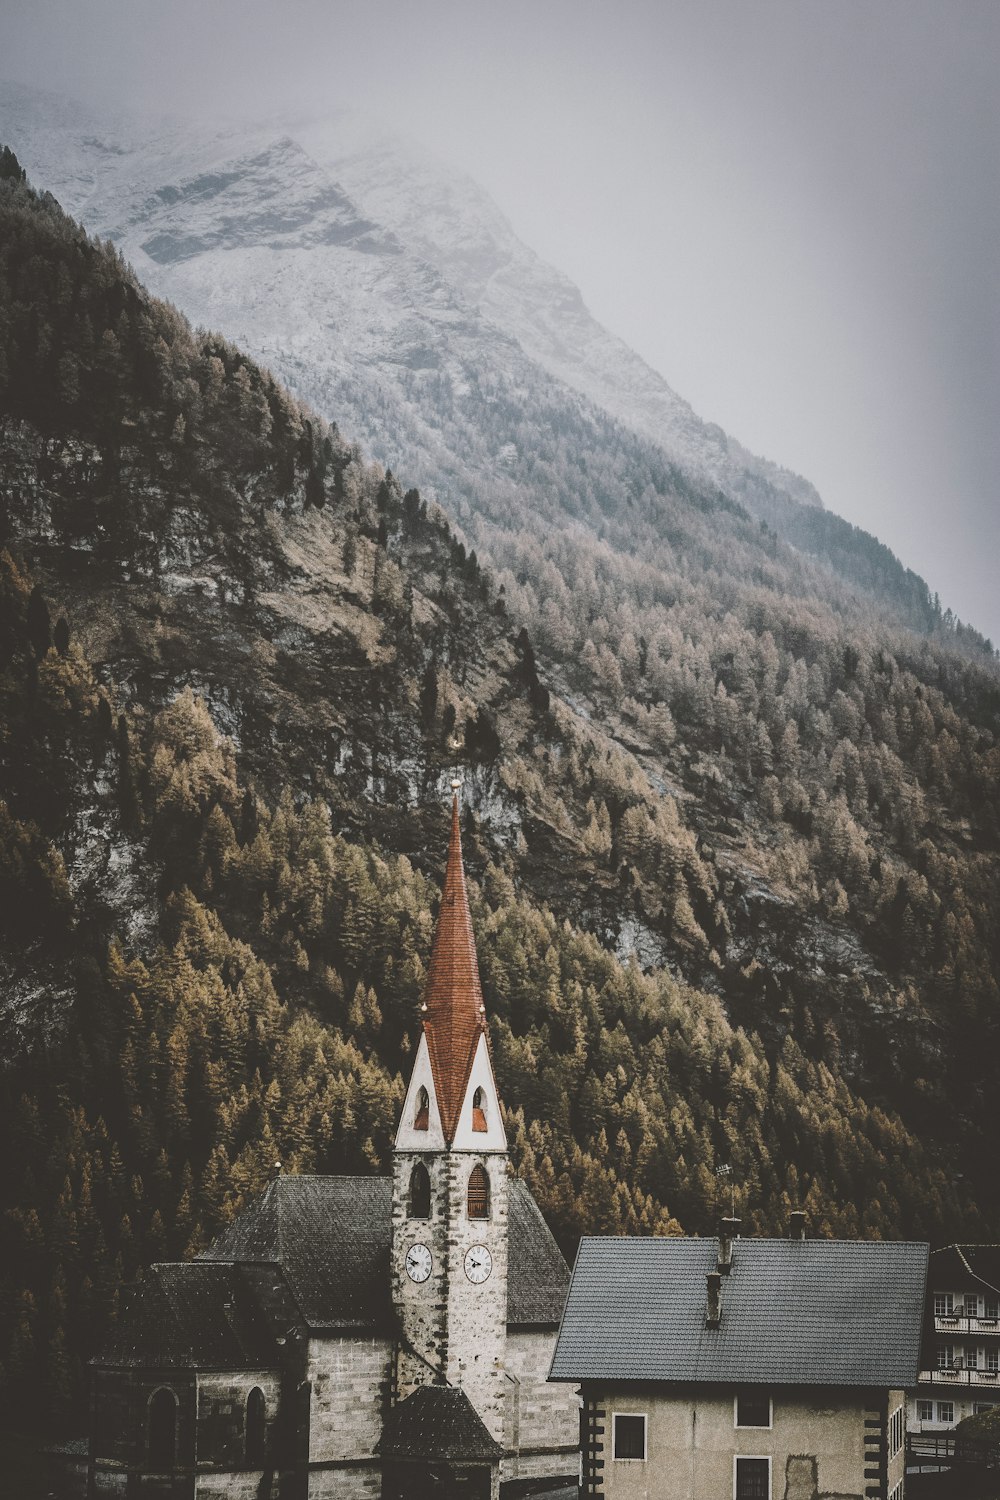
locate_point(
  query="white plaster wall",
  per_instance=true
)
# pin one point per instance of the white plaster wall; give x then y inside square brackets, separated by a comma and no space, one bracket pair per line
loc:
[493,1138]
[349,1378]
[431,1139]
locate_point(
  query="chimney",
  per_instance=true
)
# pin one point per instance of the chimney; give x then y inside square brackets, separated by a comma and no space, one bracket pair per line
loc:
[713,1313]
[796,1225]
[729,1230]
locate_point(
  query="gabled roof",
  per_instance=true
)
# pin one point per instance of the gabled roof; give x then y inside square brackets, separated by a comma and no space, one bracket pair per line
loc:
[454,1015]
[194,1315]
[955,1265]
[437,1422]
[331,1236]
[809,1312]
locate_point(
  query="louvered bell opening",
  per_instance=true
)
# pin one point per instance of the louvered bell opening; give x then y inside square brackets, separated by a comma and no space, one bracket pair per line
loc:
[479,1194]
[478,1112]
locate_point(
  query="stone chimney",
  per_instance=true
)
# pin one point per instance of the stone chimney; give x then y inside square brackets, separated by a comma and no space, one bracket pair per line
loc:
[729,1230]
[713,1311]
[797,1224]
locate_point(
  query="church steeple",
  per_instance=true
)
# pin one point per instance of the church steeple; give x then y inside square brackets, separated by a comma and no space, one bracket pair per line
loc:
[454,1017]
[450,1187]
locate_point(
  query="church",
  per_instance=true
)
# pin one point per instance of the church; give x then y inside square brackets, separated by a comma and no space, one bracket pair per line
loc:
[359,1336]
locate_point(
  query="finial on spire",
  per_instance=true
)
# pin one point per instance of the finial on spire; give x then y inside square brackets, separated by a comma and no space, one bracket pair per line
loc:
[456,783]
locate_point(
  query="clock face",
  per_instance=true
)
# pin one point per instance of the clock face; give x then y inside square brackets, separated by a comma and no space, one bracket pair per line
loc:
[478,1263]
[418,1262]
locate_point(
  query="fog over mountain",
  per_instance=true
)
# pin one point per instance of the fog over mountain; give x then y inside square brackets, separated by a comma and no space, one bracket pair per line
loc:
[368,275]
[788,211]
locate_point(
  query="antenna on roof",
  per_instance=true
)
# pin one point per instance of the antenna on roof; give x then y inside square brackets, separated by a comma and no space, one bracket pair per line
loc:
[725,1173]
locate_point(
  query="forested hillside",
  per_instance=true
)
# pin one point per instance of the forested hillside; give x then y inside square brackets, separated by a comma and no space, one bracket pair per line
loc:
[734,852]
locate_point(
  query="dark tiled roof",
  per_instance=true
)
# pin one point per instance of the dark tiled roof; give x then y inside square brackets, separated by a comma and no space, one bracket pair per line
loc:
[958,1265]
[537,1274]
[194,1315]
[437,1421]
[453,997]
[814,1312]
[331,1237]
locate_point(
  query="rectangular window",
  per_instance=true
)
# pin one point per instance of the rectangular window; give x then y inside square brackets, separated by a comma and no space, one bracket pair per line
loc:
[629,1436]
[946,1411]
[942,1355]
[753,1409]
[992,1359]
[971,1304]
[925,1411]
[972,1358]
[942,1304]
[752,1479]
[895,1432]
[980,1406]
[991,1308]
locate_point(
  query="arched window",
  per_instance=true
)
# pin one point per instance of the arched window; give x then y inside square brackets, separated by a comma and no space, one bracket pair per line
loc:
[255,1446]
[479,1110]
[420,1192]
[479,1193]
[161,1432]
[420,1119]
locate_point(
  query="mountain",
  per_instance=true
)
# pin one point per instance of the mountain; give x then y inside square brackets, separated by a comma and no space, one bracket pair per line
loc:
[360,269]
[238,662]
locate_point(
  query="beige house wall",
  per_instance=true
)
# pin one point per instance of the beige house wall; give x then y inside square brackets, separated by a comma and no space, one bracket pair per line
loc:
[816,1445]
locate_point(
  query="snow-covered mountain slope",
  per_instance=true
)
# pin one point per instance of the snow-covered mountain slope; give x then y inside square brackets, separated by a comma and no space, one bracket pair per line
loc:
[384,287]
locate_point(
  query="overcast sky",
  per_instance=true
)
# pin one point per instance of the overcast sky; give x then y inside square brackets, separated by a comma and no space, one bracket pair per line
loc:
[791,208]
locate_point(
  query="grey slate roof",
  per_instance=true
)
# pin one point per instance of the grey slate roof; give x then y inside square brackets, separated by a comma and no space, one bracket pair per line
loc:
[437,1422]
[197,1316]
[309,1253]
[331,1236]
[811,1312]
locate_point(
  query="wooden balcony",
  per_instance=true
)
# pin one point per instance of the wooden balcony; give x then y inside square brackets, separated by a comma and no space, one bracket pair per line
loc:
[961,1375]
[961,1323]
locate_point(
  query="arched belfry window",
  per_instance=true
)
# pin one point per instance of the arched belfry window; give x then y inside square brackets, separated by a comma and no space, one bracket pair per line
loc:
[161,1432]
[420,1192]
[422,1116]
[479,1110]
[479,1193]
[255,1446]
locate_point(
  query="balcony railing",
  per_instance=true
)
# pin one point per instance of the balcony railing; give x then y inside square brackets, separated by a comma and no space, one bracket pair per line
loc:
[961,1323]
[960,1375]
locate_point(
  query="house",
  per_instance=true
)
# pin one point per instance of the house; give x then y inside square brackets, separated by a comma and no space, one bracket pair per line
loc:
[960,1369]
[743,1369]
[359,1336]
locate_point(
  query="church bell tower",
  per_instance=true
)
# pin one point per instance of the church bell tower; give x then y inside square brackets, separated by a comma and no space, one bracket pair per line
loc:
[449,1195]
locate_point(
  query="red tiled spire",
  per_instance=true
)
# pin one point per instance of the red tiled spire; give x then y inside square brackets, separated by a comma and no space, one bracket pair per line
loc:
[453,1014]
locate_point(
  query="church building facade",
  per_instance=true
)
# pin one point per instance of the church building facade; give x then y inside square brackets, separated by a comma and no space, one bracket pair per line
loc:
[359,1337]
